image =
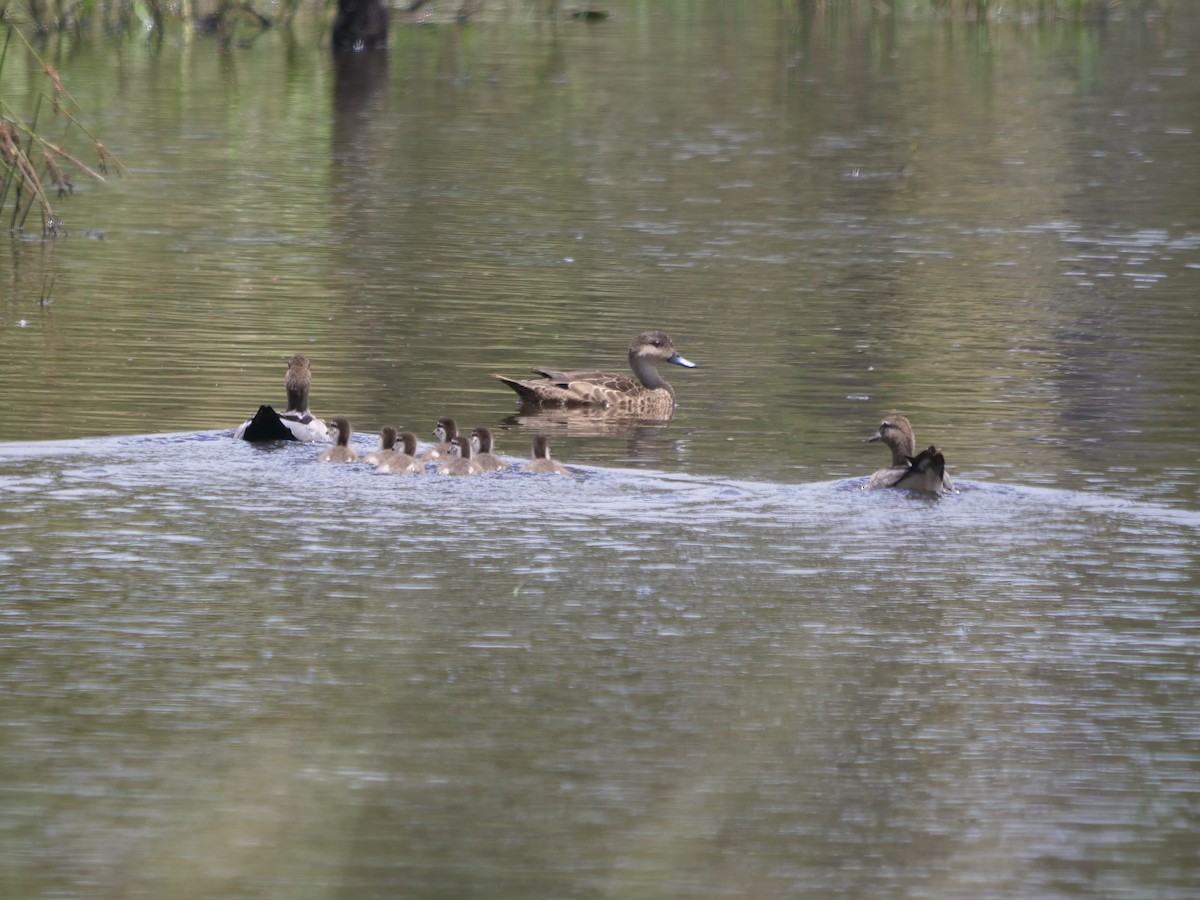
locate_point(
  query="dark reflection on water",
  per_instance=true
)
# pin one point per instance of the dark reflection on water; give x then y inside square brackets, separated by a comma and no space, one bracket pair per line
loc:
[226,662]
[708,665]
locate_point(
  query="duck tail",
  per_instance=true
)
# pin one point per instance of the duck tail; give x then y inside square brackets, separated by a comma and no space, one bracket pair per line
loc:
[523,390]
[266,426]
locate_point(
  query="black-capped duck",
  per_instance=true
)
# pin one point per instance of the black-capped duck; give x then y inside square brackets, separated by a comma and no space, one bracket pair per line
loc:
[542,464]
[296,423]
[446,430]
[404,461]
[481,451]
[459,461]
[896,433]
[342,451]
[647,394]
[387,446]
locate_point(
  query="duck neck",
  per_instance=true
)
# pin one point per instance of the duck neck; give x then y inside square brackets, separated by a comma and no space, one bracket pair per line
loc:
[647,374]
[297,394]
[904,447]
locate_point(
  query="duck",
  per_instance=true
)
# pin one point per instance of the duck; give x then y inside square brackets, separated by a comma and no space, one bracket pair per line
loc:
[896,432]
[647,394]
[481,451]
[459,461]
[294,424]
[387,446]
[341,452]
[446,430]
[404,461]
[542,464]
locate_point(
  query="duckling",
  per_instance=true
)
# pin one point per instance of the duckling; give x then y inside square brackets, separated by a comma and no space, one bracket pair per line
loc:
[481,451]
[459,462]
[296,423]
[647,394]
[446,430]
[896,432]
[387,446]
[342,452]
[403,462]
[542,464]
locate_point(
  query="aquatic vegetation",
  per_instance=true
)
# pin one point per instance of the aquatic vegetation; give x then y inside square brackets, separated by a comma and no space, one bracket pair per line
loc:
[23,146]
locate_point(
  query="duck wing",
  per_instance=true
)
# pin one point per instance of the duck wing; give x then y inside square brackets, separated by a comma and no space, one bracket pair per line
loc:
[925,472]
[886,478]
[596,387]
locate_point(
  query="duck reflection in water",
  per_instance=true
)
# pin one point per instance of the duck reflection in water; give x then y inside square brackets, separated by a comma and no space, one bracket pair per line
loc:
[648,443]
[909,470]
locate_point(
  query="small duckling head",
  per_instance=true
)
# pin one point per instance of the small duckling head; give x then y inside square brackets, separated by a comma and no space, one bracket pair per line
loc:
[408,441]
[340,426]
[541,447]
[460,446]
[446,430]
[387,437]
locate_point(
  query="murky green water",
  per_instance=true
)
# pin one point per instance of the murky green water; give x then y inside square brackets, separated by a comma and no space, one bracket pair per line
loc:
[710,665]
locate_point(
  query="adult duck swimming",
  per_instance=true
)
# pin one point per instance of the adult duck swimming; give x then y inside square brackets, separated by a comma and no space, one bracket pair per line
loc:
[909,470]
[296,423]
[646,394]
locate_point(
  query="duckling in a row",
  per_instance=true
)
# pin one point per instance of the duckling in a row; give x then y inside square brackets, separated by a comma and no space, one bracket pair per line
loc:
[647,394]
[387,446]
[340,452]
[481,451]
[403,461]
[294,424]
[909,470]
[542,464]
[474,456]
[459,461]
[446,430]
[463,456]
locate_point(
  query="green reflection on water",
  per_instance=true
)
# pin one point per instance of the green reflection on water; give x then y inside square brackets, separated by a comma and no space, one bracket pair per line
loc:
[833,227]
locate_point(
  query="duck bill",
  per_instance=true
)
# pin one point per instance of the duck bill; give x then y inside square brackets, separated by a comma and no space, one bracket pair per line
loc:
[678,360]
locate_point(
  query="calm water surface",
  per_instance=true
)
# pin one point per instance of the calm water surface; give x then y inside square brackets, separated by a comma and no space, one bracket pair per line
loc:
[709,665]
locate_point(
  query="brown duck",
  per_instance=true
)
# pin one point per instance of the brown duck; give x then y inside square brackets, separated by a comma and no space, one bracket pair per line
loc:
[646,394]
[909,470]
